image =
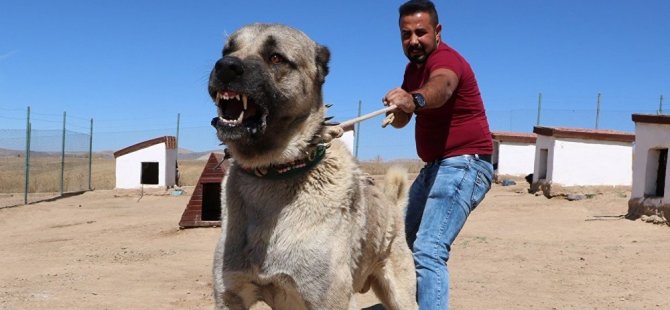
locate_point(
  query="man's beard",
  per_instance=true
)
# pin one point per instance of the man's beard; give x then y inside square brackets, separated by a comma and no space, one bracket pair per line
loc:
[417,59]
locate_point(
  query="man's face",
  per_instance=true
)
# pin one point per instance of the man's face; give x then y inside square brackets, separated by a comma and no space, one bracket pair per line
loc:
[419,37]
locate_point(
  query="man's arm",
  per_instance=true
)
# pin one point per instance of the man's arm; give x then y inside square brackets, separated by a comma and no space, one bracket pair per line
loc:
[439,88]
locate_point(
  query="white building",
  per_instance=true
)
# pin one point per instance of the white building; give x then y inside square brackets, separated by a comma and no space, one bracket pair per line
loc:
[348,137]
[651,172]
[513,153]
[582,157]
[152,163]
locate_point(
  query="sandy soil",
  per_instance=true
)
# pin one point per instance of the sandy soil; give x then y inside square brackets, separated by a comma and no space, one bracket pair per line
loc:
[112,250]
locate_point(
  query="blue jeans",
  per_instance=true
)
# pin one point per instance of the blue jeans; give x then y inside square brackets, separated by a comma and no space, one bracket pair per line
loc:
[440,200]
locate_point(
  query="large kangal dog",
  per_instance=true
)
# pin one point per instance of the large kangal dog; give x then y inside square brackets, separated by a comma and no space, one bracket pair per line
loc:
[302,226]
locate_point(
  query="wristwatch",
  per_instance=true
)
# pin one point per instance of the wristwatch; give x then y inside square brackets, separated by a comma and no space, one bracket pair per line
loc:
[419,101]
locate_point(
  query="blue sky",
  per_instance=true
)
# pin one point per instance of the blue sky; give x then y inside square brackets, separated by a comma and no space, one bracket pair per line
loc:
[133,65]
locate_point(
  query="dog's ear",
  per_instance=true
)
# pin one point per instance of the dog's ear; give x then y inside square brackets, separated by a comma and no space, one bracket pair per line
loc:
[322,59]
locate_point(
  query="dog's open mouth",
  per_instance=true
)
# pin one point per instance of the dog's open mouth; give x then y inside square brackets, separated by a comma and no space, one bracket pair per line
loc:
[237,110]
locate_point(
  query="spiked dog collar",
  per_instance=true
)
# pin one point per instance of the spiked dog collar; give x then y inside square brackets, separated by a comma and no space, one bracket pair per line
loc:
[289,169]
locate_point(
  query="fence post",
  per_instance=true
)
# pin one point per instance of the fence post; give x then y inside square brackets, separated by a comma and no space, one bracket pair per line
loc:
[176,159]
[62,158]
[177,137]
[598,112]
[660,106]
[539,109]
[358,130]
[90,157]
[27,165]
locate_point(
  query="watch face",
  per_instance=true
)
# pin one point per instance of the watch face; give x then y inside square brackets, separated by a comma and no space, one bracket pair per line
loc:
[419,101]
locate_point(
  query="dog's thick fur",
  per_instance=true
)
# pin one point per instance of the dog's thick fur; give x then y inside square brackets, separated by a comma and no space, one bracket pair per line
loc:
[312,239]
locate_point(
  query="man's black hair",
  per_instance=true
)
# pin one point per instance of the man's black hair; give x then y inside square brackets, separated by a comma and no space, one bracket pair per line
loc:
[414,6]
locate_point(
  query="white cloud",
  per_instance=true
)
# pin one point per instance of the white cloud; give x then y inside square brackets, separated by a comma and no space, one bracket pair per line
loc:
[6,55]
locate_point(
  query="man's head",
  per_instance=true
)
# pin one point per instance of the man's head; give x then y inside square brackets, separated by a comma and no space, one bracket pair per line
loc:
[419,29]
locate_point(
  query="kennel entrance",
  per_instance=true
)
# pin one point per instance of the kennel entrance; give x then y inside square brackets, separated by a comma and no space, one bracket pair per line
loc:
[657,166]
[211,202]
[149,175]
[543,163]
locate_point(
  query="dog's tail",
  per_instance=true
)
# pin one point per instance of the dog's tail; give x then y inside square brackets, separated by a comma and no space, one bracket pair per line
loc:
[396,185]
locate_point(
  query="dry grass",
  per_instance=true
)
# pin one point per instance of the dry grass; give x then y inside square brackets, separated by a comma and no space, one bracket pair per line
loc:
[379,166]
[45,172]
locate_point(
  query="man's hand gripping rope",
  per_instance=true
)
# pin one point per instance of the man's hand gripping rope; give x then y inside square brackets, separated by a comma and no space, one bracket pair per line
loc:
[337,131]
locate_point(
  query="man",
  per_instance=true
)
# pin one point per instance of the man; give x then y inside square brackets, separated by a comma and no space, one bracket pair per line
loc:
[453,139]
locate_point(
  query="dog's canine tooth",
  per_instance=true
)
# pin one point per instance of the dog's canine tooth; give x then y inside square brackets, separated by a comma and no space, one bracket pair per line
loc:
[239,119]
[244,101]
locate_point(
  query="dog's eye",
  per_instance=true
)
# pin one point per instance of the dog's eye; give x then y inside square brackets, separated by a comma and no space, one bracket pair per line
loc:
[276,59]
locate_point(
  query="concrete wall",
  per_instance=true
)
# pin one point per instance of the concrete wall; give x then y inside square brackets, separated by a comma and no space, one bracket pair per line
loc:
[515,159]
[576,162]
[649,138]
[129,167]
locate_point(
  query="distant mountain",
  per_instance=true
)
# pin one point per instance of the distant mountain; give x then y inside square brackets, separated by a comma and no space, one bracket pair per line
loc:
[197,155]
[6,152]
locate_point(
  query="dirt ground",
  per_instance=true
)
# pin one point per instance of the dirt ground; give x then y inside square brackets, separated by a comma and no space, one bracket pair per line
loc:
[113,250]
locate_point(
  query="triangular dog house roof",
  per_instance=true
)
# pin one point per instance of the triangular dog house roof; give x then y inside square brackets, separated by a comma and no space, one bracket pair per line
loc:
[213,172]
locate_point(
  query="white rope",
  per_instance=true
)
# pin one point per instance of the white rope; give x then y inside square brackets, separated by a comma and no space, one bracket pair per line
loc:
[349,125]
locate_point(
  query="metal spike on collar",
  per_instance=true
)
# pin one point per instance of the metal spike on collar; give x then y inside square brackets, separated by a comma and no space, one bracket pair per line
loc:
[226,156]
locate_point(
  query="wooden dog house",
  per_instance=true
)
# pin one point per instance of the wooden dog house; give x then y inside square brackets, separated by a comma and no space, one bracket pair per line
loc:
[204,207]
[651,172]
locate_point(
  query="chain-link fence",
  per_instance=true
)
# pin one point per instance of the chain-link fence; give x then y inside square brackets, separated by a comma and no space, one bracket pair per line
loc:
[53,155]
[523,120]
[39,164]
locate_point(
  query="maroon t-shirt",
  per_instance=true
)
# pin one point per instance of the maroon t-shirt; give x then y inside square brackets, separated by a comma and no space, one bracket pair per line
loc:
[459,126]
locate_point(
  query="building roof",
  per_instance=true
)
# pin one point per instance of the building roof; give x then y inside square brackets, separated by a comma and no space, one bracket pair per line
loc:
[170,144]
[514,137]
[585,134]
[652,118]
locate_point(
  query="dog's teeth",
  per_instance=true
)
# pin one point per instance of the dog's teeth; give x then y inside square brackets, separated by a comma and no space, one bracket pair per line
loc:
[244,101]
[239,119]
[237,97]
